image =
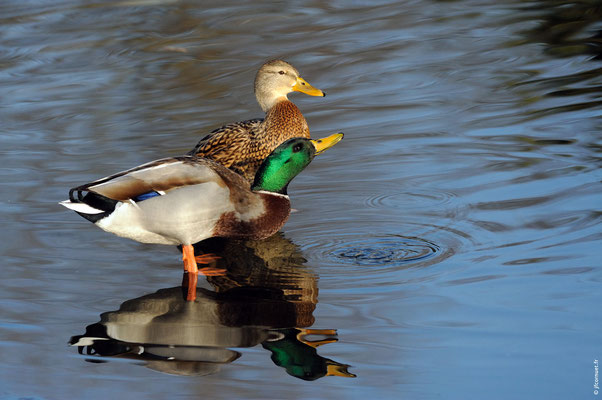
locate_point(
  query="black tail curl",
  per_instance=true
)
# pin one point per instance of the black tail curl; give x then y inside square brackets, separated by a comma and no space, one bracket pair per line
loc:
[82,194]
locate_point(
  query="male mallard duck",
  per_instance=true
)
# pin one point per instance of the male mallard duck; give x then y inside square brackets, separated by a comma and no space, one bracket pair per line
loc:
[242,146]
[298,355]
[184,200]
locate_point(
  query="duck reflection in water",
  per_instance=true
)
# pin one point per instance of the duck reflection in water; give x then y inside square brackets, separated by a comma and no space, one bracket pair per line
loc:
[267,297]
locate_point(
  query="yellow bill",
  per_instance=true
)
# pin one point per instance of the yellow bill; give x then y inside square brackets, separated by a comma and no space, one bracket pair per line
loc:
[334,368]
[327,142]
[304,87]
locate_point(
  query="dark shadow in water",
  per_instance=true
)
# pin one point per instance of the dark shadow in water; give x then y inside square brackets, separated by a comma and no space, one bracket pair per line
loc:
[560,30]
[566,27]
[566,30]
[267,297]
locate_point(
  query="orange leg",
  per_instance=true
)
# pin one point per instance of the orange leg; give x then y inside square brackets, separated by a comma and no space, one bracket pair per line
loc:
[189,259]
[190,267]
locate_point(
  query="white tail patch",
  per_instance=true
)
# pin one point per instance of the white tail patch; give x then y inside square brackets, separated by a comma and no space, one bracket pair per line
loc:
[87,341]
[80,207]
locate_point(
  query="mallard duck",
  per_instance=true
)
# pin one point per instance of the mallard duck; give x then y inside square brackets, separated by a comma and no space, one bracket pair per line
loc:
[298,355]
[184,200]
[242,146]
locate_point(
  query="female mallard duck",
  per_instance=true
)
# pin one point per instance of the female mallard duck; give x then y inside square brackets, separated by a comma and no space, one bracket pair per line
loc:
[184,200]
[242,146]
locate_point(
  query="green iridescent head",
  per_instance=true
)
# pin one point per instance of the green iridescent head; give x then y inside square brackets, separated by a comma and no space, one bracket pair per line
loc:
[283,164]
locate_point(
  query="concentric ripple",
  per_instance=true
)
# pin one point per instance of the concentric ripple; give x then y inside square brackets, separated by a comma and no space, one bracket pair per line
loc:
[387,251]
[384,251]
[408,199]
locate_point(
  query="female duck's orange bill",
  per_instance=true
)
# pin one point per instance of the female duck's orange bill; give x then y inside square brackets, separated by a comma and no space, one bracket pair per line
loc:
[304,87]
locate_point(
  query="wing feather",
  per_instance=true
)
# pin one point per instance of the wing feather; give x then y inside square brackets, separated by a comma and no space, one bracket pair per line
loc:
[220,140]
[159,176]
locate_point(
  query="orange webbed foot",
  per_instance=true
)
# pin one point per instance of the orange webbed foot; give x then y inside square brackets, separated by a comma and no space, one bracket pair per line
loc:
[191,269]
[208,271]
[206,258]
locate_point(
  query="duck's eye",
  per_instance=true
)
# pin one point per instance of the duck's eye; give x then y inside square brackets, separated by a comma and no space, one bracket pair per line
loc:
[297,148]
[281,72]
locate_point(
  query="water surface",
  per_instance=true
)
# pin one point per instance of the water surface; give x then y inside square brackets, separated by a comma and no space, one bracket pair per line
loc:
[447,248]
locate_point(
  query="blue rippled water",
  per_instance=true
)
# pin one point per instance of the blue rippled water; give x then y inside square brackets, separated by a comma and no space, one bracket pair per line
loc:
[451,239]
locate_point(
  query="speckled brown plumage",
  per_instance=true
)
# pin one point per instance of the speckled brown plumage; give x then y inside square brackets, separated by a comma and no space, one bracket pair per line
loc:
[242,146]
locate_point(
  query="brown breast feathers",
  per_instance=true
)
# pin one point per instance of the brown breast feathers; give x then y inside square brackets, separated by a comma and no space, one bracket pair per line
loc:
[242,148]
[277,209]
